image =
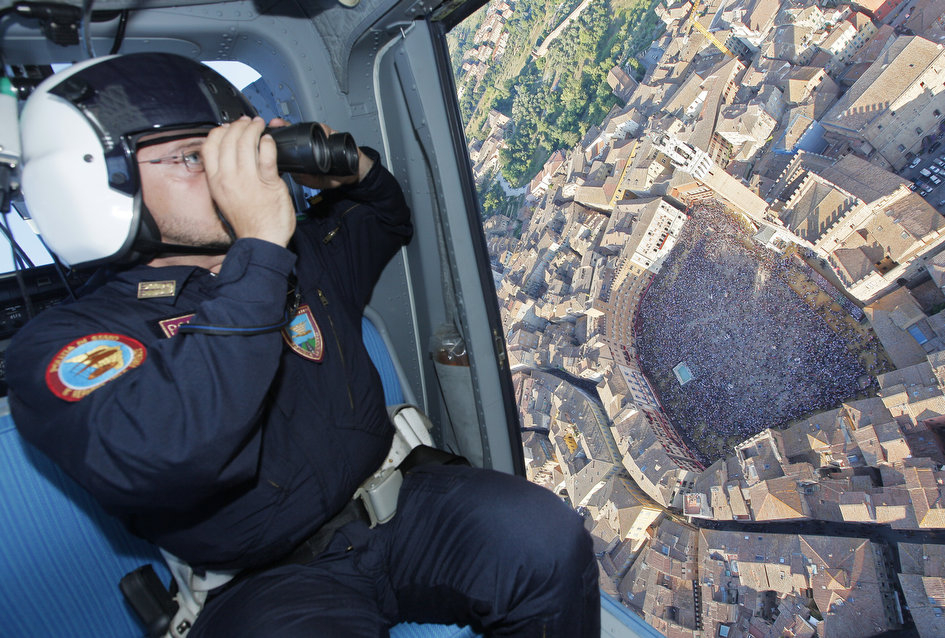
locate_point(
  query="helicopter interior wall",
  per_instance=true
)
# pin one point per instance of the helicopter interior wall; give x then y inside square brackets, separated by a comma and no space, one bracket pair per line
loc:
[414,85]
[424,289]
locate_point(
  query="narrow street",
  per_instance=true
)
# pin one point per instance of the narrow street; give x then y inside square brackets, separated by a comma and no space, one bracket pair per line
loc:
[588,390]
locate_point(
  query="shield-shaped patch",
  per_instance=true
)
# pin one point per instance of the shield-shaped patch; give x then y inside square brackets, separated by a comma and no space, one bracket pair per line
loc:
[304,336]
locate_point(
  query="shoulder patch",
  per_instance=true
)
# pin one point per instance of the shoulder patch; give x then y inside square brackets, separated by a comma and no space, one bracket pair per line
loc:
[90,362]
[304,336]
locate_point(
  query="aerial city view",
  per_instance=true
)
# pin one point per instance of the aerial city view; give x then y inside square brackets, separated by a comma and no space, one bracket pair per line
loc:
[717,235]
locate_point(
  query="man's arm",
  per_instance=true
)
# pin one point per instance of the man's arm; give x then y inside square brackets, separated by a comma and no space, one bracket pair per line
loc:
[244,181]
[367,222]
[180,425]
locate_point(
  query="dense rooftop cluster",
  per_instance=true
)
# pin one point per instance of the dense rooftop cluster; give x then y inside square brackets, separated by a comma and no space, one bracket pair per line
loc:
[818,129]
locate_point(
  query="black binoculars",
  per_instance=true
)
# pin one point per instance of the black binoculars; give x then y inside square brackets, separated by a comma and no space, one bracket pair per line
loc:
[304,148]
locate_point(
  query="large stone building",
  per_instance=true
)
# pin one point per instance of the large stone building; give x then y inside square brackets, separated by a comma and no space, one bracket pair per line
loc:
[923,584]
[895,104]
[643,232]
[890,247]
[874,231]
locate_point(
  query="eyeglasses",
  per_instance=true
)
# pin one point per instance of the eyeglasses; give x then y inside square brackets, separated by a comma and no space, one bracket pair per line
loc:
[190,159]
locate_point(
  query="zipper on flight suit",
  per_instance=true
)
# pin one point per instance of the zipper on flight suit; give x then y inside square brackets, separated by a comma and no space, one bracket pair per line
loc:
[341,354]
[334,231]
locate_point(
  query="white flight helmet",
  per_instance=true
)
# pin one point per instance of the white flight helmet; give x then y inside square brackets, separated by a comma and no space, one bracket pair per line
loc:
[79,132]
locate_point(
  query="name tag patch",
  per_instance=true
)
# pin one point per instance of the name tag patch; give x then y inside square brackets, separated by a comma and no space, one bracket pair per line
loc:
[90,362]
[169,327]
[157,289]
[304,336]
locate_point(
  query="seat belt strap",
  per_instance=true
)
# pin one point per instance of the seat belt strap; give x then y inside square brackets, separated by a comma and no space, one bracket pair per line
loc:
[379,492]
[192,591]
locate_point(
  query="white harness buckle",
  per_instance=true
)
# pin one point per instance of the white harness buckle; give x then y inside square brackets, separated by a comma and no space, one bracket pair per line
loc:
[379,492]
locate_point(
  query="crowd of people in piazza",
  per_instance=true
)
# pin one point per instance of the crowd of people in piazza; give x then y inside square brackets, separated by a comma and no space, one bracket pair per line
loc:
[759,354]
[862,341]
[845,304]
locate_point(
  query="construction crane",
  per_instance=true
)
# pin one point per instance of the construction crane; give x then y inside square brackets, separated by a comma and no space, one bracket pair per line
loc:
[694,23]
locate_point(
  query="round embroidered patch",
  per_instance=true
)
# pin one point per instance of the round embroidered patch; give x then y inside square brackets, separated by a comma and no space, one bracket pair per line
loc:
[90,362]
[304,336]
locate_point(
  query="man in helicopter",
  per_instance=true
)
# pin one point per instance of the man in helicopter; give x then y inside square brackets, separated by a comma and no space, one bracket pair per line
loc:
[174,392]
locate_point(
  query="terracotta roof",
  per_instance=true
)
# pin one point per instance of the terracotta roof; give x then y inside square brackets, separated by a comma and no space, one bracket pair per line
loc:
[890,316]
[815,209]
[862,179]
[927,498]
[777,499]
[892,441]
[855,507]
[902,225]
[837,578]
[737,501]
[919,374]
[790,41]
[806,73]
[883,83]
[923,559]
[893,506]
[926,16]
[859,20]
[854,263]
[870,51]
[760,13]
[925,596]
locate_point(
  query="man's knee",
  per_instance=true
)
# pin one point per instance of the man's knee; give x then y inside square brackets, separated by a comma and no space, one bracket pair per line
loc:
[556,574]
[540,531]
[495,537]
[518,520]
[564,547]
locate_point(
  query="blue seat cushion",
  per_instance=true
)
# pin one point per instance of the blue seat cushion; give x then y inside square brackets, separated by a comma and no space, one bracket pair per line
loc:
[61,556]
[413,630]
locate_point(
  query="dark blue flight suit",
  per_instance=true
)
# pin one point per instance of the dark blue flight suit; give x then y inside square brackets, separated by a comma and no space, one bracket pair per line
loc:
[227,446]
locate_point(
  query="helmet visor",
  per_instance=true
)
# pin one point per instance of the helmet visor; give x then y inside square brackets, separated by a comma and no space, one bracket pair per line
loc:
[128,97]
